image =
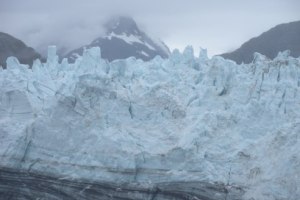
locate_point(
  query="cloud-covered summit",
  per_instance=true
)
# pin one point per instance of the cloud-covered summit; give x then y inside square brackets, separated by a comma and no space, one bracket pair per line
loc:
[123,38]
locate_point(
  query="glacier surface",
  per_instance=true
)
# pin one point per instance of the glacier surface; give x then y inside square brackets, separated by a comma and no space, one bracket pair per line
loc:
[184,118]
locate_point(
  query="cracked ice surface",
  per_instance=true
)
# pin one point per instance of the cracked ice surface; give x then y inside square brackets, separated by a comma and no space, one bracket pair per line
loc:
[180,119]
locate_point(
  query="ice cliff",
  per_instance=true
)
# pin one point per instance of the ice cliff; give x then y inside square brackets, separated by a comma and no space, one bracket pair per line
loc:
[179,119]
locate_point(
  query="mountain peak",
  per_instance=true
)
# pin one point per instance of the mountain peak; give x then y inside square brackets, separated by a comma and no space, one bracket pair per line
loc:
[120,25]
[123,39]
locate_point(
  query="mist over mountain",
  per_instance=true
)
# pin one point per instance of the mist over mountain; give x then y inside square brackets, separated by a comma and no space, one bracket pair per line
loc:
[123,39]
[11,46]
[281,37]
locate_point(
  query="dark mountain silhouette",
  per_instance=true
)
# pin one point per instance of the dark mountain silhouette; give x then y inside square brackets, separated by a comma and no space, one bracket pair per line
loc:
[10,46]
[281,37]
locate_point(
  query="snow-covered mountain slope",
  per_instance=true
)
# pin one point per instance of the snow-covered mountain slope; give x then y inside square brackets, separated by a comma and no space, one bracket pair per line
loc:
[179,119]
[123,39]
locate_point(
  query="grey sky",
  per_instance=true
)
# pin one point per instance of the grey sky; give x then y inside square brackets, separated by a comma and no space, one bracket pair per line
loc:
[218,25]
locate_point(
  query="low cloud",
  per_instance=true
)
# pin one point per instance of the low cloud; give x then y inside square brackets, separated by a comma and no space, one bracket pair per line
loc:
[216,25]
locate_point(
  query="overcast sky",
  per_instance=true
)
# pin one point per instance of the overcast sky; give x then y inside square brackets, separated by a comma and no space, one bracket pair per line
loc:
[218,25]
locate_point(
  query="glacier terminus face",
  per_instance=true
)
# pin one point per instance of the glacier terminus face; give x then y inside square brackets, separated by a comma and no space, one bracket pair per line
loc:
[180,119]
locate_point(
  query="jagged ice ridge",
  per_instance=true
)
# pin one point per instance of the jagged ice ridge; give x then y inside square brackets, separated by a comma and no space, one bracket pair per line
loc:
[182,119]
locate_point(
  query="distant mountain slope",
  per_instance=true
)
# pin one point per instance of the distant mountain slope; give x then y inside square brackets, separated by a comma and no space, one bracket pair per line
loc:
[10,46]
[280,38]
[124,39]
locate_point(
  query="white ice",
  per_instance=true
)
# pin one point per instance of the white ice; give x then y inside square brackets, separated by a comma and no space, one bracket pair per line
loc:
[182,118]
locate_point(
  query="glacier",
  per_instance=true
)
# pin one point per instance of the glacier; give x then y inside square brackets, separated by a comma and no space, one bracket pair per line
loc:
[183,119]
